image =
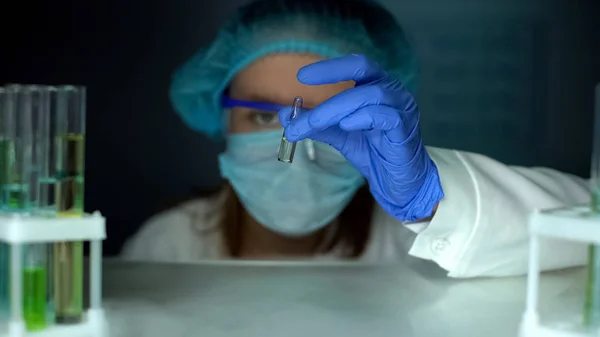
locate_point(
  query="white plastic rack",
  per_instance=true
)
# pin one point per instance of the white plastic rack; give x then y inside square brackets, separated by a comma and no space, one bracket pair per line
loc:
[17,230]
[573,224]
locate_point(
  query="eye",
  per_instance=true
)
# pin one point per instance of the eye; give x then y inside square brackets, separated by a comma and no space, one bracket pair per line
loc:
[264,119]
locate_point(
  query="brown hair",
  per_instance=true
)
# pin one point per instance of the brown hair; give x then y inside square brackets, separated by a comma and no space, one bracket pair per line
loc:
[351,235]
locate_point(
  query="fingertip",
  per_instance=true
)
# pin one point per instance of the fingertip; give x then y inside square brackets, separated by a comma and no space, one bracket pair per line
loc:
[352,67]
[304,75]
[315,73]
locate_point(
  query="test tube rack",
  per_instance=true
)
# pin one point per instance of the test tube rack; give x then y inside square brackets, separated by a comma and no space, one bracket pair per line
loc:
[17,230]
[569,223]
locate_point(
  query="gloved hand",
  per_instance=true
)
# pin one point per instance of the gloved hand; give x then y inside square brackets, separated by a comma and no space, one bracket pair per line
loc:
[375,125]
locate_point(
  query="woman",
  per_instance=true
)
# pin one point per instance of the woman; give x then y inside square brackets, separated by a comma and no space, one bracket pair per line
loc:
[362,185]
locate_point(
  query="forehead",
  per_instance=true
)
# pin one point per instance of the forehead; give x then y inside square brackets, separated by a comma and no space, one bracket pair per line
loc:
[273,79]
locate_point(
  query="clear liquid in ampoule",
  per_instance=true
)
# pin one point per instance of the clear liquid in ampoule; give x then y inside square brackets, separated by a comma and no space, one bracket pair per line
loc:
[287,148]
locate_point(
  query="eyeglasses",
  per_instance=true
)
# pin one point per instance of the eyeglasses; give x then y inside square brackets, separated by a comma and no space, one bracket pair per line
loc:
[228,103]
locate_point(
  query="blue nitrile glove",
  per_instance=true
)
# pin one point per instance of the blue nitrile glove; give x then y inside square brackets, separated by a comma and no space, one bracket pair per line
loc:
[375,125]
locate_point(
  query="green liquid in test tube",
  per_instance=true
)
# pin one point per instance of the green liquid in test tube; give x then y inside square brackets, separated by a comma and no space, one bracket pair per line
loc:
[34,287]
[591,317]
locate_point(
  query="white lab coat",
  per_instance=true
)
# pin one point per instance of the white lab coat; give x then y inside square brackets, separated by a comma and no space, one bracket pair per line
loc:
[479,229]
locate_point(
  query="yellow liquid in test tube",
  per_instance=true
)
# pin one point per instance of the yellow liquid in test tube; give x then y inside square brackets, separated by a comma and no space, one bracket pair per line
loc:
[68,256]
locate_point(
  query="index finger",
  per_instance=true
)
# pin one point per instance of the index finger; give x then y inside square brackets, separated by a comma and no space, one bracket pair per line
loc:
[352,67]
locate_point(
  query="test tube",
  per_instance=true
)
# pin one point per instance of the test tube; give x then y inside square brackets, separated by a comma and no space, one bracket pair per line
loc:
[46,181]
[287,148]
[4,248]
[69,144]
[45,155]
[595,174]
[18,180]
[35,259]
[592,299]
[16,150]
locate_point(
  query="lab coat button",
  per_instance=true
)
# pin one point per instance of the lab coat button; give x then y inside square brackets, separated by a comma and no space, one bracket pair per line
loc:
[439,245]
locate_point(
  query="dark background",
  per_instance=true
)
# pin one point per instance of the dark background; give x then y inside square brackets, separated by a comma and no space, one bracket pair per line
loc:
[512,79]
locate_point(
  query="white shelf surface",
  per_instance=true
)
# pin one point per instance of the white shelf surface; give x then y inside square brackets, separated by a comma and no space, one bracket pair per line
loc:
[29,229]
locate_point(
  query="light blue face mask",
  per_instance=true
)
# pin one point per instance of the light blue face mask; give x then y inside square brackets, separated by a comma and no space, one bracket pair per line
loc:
[291,199]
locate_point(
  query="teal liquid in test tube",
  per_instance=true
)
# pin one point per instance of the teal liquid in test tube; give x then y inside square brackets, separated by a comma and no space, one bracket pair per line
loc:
[592,299]
[16,151]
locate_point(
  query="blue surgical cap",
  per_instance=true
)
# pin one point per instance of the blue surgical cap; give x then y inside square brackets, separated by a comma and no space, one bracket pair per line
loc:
[328,28]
